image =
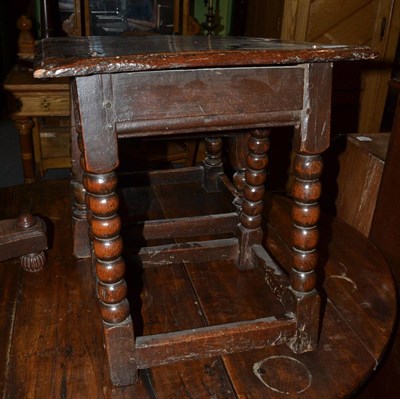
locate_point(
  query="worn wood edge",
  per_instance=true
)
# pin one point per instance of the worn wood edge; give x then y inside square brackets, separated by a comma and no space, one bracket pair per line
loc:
[160,349]
[306,307]
[275,277]
[57,67]
[118,341]
[200,124]
[202,251]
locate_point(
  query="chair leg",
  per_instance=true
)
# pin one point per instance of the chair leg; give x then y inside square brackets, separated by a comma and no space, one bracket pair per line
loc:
[238,152]
[212,163]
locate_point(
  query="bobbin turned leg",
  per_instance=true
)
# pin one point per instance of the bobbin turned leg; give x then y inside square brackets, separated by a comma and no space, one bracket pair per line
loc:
[249,229]
[105,224]
[212,163]
[305,213]
[237,154]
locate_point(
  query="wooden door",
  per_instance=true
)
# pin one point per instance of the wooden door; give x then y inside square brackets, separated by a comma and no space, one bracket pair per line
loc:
[370,22]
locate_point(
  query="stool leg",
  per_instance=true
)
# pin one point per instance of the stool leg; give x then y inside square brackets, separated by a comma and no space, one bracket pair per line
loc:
[237,154]
[249,229]
[305,213]
[105,224]
[81,241]
[212,163]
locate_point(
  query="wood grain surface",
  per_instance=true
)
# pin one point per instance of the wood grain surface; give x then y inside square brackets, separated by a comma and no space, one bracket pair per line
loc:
[51,330]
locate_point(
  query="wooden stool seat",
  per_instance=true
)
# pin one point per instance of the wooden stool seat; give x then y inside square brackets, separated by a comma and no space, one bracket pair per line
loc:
[174,86]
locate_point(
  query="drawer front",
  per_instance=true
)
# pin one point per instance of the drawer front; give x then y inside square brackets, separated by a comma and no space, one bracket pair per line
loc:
[41,104]
[196,100]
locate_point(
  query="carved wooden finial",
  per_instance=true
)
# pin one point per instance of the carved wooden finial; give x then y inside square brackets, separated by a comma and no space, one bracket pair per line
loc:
[26,42]
[34,261]
[26,220]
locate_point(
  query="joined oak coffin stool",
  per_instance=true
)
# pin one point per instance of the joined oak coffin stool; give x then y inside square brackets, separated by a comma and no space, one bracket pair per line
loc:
[208,87]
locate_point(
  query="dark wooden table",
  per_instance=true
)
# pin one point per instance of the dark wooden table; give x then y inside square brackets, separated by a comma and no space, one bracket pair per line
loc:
[170,86]
[51,331]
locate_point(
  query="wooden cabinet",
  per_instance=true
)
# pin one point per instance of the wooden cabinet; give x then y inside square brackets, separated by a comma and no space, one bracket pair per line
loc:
[360,170]
[374,23]
[42,103]
[40,110]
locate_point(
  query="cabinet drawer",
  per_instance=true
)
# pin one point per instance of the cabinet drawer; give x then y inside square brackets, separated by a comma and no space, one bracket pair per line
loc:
[42,104]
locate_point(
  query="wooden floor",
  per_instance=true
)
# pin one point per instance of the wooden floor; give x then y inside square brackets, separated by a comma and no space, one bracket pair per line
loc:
[50,329]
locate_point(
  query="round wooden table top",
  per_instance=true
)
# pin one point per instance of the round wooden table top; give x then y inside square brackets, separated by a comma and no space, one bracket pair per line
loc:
[51,328]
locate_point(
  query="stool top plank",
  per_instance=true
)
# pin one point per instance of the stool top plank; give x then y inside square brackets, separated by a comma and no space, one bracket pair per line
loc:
[80,56]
